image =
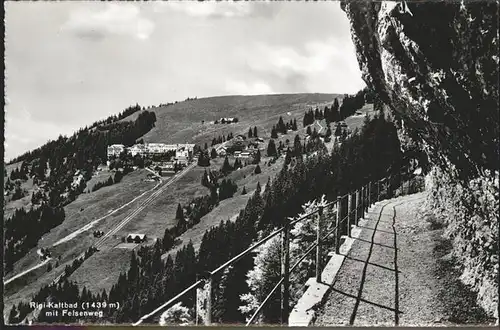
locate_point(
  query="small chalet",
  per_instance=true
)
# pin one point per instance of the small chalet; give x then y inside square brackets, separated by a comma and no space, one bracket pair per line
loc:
[222,152]
[240,137]
[244,155]
[252,146]
[136,238]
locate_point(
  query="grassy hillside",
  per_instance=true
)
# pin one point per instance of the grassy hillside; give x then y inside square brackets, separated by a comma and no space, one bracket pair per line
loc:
[182,122]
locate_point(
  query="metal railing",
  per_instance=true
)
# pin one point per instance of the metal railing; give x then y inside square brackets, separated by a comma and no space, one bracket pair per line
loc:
[357,206]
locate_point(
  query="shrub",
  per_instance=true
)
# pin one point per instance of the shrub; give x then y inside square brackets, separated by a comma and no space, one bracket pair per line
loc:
[176,314]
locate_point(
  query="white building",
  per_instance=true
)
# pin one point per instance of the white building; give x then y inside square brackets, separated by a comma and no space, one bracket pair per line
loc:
[244,155]
[152,149]
[182,153]
[160,148]
[186,146]
[115,150]
[137,149]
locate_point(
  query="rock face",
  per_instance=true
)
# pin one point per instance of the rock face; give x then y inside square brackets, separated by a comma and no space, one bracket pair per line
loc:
[435,64]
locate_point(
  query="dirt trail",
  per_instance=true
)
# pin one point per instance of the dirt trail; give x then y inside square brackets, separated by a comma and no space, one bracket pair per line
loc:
[389,275]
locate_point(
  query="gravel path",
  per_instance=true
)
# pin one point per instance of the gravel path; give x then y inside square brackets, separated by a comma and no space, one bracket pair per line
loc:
[388,277]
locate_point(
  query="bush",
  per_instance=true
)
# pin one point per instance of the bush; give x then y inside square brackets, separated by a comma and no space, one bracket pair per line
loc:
[413,185]
[177,314]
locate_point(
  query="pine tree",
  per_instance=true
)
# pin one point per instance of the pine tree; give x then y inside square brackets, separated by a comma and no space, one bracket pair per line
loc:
[288,157]
[297,146]
[250,133]
[213,153]
[226,168]
[328,131]
[281,126]
[204,159]
[308,130]
[257,157]
[168,240]
[271,149]
[133,272]
[274,134]
[314,133]
[244,191]
[335,115]
[326,114]
[257,170]
[255,132]
[338,130]
[179,214]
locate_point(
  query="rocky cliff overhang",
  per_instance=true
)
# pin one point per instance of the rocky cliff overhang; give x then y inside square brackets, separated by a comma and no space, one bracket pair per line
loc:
[435,65]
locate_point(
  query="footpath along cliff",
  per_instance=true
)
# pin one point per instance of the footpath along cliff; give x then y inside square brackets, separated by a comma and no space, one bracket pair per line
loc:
[435,67]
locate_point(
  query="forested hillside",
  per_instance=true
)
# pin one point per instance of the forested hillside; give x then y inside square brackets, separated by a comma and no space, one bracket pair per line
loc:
[60,169]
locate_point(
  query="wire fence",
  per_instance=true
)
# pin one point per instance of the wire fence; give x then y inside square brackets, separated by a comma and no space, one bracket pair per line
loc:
[347,211]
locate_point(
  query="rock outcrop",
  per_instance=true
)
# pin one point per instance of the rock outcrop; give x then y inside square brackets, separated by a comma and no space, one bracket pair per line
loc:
[434,64]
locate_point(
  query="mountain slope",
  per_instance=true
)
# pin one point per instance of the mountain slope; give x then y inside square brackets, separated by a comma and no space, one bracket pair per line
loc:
[182,122]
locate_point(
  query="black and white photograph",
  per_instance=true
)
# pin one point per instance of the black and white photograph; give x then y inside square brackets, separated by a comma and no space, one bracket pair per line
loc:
[251,163]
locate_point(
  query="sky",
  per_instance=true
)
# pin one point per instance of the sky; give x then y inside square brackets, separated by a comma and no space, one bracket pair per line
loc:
[68,64]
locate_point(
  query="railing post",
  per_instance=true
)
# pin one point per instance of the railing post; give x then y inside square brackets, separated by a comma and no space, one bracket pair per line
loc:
[209,300]
[378,190]
[285,295]
[349,214]
[204,301]
[318,246]
[362,204]
[338,220]
[369,194]
[357,208]
[197,302]
[365,201]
